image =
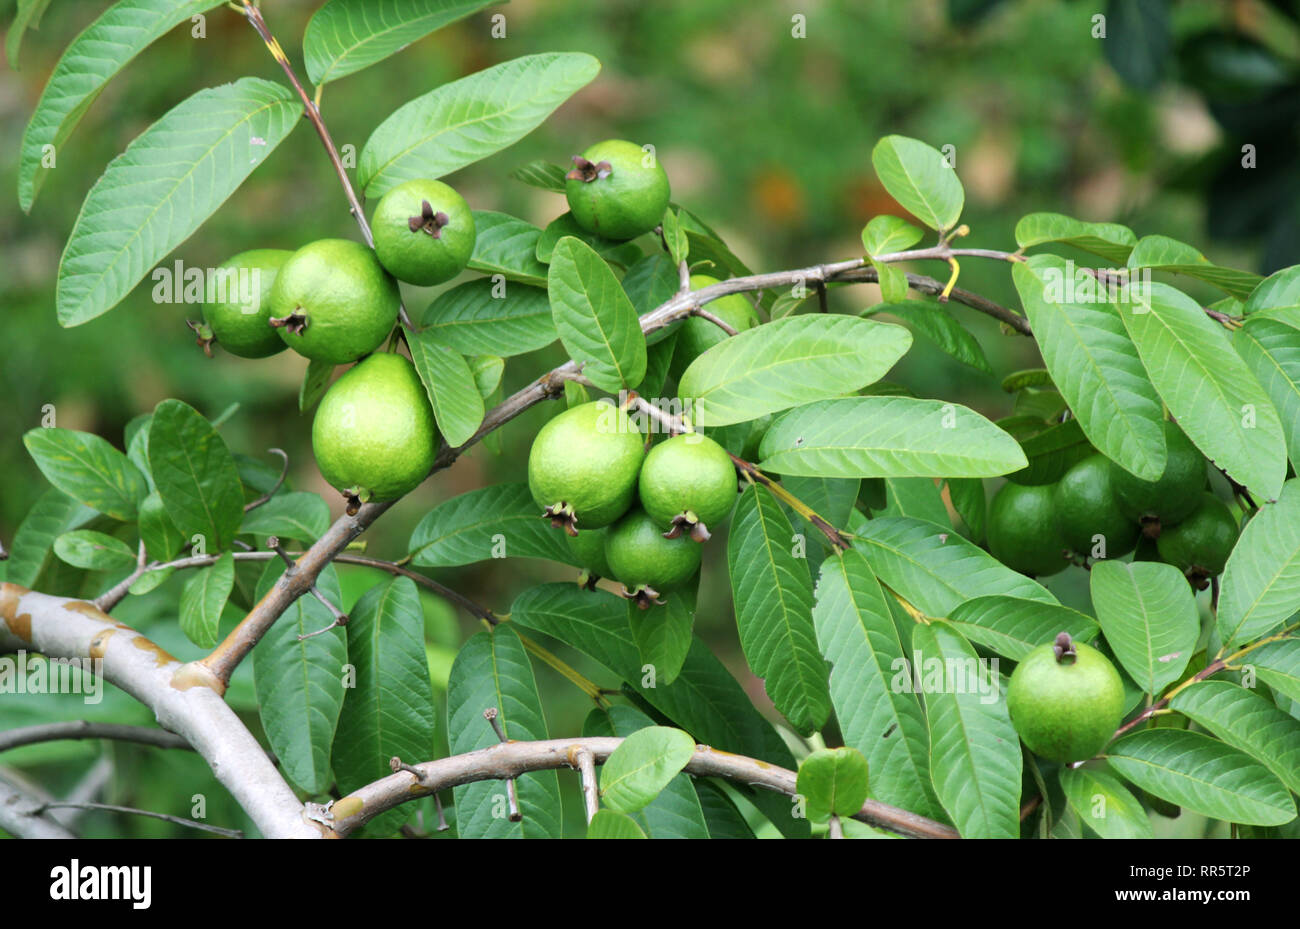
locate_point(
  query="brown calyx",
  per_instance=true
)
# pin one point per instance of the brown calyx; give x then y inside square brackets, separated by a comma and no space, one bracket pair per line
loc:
[562,516]
[295,322]
[690,523]
[1064,649]
[644,596]
[587,172]
[428,221]
[205,335]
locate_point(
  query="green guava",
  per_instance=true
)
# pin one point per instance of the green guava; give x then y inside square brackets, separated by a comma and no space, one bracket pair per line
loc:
[1086,512]
[1199,546]
[645,562]
[697,335]
[1173,496]
[238,309]
[1022,531]
[617,190]
[588,549]
[687,484]
[424,232]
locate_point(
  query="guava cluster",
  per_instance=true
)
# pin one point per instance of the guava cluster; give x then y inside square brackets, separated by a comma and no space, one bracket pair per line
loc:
[635,516]
[1097,509]
[335,301]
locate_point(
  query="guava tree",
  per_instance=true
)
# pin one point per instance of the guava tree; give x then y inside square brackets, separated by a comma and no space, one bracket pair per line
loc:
[928,684]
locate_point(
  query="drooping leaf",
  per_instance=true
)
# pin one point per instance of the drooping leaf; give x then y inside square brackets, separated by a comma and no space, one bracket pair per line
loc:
[541,174]
[487,371]
[196,475]
[1161,253]
[886,437]
[453,393]
[475,526]
[1109,240]
[155,194]
[773,596]
[344,36]
[88,469]
[1261,583]
[315,381]
[28,16]
[1013,627]
[461,122]
[480,317]
[663,635]
[921,179]
[1149,616]
[794,360]
[203,598]
[931,320]
[594,318]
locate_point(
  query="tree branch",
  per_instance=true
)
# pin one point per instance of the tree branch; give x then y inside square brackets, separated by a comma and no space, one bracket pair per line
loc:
[85,729]
[21,815]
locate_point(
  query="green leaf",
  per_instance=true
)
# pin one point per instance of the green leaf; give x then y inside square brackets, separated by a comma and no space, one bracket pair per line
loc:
[1261,583]
[658,360]
[886,234]
[918,497]
[1109,240]
[773,594]
[464,121]
[892,281]
[453,392]
[475,526]
[967,497]
[296,515]
[939,326]
[607,824]
[622,254]
[650,282]
[858,637]
[487,371]
[787,362]
[920,179]
[1103,803]
[28,16]
[1281,289]
[704,699]
[642,766]
[1096,367]
[154,195]
[975,757]
[1013,627]
[1208,388]
[1161,253]
[93,58]
[1246,721]
[492,671]
[345,36]
[53,514]
[299,682]
[315,381]
[596,321]
[162,540]
[663,635]
[1195,771]
[887,437]
[507,246]
[723,819]
[88,469]
[833,782]
[1277,664]
[1031,377]
[1139,41]
[94,551]
[203,598]
[479,317]
[1271,349]
[196,476]
[936,570]
[390,712]
[679,245]
[1051,449]
[1149,617]
[542,175]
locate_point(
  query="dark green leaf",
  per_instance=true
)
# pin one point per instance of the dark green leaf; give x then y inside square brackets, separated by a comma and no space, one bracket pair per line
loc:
[196,476]
[596,321]
[453,392]
[88,469]
[480,317]
[203,598]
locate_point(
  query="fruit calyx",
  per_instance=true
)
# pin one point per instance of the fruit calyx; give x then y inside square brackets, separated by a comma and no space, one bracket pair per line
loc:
[1064,649]
[205,335]
[428,221]
[644,596]
[1151,527]
[562,516]
[587,580]
[587,172]
[295,322]
[688,522]
[355,496]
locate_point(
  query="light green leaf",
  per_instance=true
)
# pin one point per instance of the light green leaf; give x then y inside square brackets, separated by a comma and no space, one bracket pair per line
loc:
[1104,804]
[773,594]
[479,317]
[203,598]
[787,362]
[607,824]
[1014,627]
[92,59]
[169,180]
[892,280]
[1095,366]
[1161,253]
[296,515]
[1195,771]
[162,540]
[88,469]
[1271,349]
[487,371]
[1030,377]
[975,757]
[1261,583]
[542,175]
[464,529]
[1149,617]
[1208,388]
[453,392]
[345,36]
[1281,289]
[596,321]
[887,437]
[507,246]
[920,179]
[492,671]
[931,320]
[94,551]
[620,254]
[28,16]
[918,497]
[679,245]
[886,234]
[466,120]
[833,782]
[53,514]
[1246,721]
[1277,664]
[642,766]
[196,476]
[1109,240]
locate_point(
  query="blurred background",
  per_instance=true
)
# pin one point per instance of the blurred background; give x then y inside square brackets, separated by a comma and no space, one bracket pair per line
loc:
[764,135]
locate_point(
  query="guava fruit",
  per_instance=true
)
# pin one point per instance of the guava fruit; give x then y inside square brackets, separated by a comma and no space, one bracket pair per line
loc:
[1022,530]
[617,190]
[583,466]
[687,484]
[238,308]
[1173,496]
[645,562]
[698,335]
[1066,700]
[374,435]
[333,301]
[588,549]
[424,232]
[1086,509]
[1199,545]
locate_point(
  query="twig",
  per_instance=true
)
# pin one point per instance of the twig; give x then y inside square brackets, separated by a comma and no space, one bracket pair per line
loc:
[115,594]
[113,808]
[716,320]
[340,618]
[512,791]
[585,762]
[834,828]
[284,471]
[85,729]
[21,815]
